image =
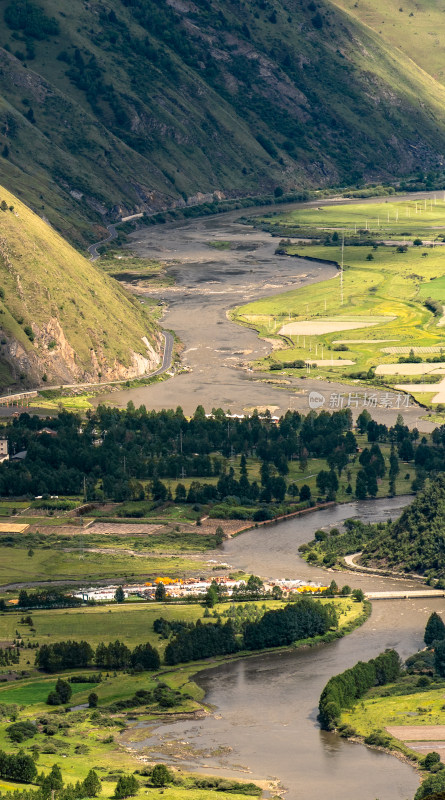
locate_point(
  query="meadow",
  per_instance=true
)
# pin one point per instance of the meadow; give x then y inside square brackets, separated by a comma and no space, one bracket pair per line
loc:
[382,291]
[130,622]
[377,712]
[84,737]
[53,564]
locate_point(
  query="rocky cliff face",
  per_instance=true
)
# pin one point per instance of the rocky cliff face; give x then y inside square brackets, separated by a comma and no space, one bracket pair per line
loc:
[61,318]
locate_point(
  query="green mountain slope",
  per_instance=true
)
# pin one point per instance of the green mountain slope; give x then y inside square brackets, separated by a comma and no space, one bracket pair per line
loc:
[129,105]
[60,316]
[415,28]
[416,541]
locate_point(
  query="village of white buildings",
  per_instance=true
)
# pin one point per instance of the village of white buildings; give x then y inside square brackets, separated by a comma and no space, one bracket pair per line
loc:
[190,587]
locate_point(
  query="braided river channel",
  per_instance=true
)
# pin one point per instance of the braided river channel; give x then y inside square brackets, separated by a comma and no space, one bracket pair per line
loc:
[263,710]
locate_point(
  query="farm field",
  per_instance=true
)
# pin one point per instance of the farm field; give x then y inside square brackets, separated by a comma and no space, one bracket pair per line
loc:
[419,709]
[123,548]
[381,307]
[413,722]
[51,564]
[105,737]
[130,622]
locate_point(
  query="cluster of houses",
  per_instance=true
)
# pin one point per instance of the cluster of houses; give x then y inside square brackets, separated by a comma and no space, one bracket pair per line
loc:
[191,587]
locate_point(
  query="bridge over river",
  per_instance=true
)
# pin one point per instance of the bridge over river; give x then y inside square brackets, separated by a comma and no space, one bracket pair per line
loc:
[405,595]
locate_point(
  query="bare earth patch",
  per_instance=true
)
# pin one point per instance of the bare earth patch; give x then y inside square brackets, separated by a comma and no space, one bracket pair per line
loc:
[208,526]
[11,527]
[315,327]
[410,369]
[412,388]
[261,409]
[370,341]
[124,528]
[422,739]
[417,350]
[418,733]
[276,344]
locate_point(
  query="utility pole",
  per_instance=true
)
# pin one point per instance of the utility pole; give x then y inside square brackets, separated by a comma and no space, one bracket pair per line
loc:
[341,268]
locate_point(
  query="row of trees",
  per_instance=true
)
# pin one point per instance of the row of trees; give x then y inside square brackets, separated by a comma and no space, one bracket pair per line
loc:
[202,641]
[303,619]
[342,690]
[47,598]
[115,655]
[22,768]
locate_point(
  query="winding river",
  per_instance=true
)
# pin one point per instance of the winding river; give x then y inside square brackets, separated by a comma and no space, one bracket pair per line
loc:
[264,718]
[209,281]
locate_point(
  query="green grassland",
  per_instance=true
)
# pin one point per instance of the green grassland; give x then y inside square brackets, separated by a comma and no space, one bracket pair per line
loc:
[380,285]
[48,565]
[68,316]
[105,738]
[379,709]
[390,218]
[131,623]
[412,27]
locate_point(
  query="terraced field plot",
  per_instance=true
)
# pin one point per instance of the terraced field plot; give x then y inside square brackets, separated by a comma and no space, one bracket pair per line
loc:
[381,298]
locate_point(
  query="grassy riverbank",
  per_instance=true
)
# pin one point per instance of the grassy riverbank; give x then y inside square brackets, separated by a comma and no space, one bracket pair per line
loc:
[104,736]
[381,313]
[406,719]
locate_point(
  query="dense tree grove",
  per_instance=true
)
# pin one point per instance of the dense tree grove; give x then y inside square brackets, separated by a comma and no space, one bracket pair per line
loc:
[115,655]
[300,620]
[111,453]
[64,655]
[20,767]
[342,690]
[159,445]
[8,656]
[47,598]
[202,641]
[415,541]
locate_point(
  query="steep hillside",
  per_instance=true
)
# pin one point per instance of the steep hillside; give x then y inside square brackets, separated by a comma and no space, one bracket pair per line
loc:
[61,318]
[416,28]
[416,541]
[123,105]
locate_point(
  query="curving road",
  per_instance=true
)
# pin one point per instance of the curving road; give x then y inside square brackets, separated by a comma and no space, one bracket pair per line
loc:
[165,366]
[92,249]
[168,354]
